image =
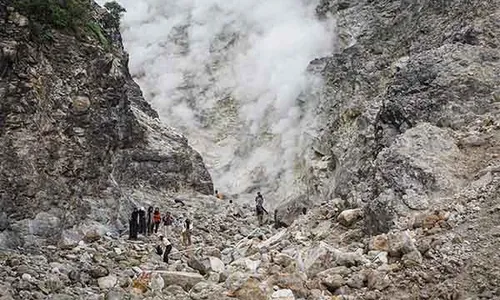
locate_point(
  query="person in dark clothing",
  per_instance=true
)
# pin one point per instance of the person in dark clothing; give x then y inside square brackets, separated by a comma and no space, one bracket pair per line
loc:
[179,201]
[186,233]
[150,220]
[260,214]
[134,224]
[259,200]
[156,219]
[142,221]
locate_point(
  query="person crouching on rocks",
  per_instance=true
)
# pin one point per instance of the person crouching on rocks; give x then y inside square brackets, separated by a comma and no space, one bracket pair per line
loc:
[164,242]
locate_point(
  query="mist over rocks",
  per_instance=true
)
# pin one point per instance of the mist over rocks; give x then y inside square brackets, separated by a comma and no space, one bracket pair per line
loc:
[232,77]
[396,194]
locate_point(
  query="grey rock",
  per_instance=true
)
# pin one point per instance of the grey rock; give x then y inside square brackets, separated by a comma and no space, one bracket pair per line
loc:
[333,282]
[207,290]
[98,271]
[412,259]
[349,217]
[101,139]
[412,75]
[107,282]
[291,209]
[285,294]
[185,280]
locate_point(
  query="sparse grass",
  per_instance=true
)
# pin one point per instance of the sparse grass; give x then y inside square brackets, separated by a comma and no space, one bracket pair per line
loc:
[97,31]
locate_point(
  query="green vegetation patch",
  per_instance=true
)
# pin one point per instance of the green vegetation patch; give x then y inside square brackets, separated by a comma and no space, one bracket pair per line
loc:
[60,14]
[95,29]
[72,16]
[115,13]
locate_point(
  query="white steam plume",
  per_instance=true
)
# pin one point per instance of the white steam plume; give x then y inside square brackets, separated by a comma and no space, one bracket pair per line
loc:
[231,75]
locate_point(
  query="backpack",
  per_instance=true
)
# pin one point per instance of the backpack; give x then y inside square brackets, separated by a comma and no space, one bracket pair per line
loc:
[159,250]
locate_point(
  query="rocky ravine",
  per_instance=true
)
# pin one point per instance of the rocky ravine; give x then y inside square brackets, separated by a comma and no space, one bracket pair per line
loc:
[78,143]
[408,166]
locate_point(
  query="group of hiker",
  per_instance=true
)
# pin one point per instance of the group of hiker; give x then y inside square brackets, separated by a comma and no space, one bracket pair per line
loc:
[259,205]
[148,223]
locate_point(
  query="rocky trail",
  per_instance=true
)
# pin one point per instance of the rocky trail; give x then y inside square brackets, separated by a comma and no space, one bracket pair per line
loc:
[401,197]
[324,254]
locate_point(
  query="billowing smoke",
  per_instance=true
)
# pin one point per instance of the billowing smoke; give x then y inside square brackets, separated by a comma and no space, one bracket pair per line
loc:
[230,74]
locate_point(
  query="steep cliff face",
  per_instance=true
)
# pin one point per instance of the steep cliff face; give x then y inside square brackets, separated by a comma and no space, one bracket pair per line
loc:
[76,136]
[410,102]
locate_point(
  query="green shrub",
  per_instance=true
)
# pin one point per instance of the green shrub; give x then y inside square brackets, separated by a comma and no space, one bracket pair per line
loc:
[60,14]
[115,13]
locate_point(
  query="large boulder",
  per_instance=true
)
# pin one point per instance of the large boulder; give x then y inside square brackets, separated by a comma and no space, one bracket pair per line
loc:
[283,295]
[207,265]
[350,216]
[185,280]
[252,289]
[291,209]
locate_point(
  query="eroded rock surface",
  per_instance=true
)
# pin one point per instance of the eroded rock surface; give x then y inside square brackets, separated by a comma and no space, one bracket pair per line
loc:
[76,135]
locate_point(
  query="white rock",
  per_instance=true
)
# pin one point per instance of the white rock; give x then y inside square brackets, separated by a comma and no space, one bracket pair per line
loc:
[107,282]
[349,216]
[186,280]
[283,295]
[272,240]
[118,251]
[216,265]
[27,277]
[157,283]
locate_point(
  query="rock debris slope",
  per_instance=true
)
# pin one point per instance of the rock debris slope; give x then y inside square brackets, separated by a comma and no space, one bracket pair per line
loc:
[76,135]
[404,196]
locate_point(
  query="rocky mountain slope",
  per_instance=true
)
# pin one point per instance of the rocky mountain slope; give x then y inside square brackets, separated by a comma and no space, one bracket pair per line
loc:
[404,196]
[78,143]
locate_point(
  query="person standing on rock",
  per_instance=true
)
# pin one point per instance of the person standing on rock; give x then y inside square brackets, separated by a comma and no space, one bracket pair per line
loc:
[260,213]
[142,221]
[168,220]
[259,200]
[134,224]
[156,219]
[150,220]
[259,208]
[186,233]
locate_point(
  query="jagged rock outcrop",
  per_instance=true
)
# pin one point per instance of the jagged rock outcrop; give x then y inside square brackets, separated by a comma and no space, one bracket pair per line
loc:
[76,135]
[411,92]
[411,110]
